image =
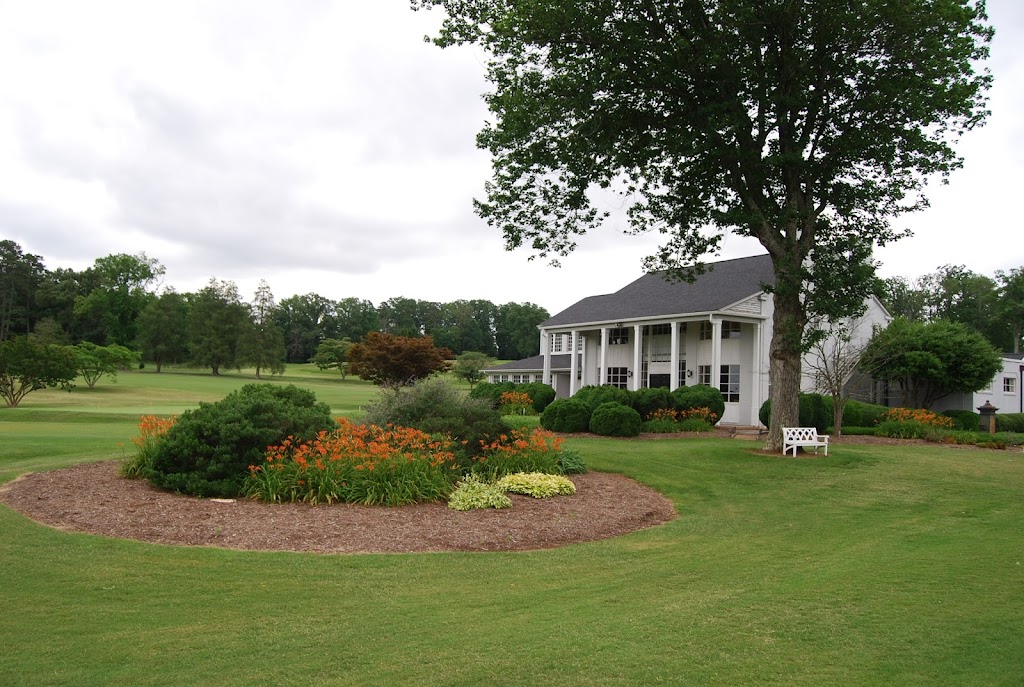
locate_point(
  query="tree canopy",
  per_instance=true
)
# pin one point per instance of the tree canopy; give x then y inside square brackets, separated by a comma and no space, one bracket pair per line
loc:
[96,361]
[928,360]
[27,366]
[396,361]
[806,124]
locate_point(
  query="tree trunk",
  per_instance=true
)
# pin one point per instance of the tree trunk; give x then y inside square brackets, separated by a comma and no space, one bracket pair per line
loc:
[784,371]
[838,403]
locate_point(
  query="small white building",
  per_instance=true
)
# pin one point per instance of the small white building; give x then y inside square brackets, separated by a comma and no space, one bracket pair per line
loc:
[659,333]
[1003,391]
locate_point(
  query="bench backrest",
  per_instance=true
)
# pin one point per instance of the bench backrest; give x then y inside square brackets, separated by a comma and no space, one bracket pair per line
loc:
[799,434]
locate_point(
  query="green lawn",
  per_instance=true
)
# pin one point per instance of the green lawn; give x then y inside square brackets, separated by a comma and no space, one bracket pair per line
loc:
[872,566]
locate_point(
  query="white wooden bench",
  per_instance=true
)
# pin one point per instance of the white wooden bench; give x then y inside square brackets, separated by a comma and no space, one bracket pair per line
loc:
[795,437]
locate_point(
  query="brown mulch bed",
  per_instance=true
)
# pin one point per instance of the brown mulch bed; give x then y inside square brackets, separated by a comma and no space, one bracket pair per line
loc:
[90,497]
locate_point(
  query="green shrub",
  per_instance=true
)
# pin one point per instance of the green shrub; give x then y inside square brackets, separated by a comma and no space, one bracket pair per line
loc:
[699,396]
[1010,422]
[491,391]
[646,401]
[662,425]
[566,415]
[570,462]
[614,420]
[594,396]
[542,394]
[435,406]
[473,492]
[814,412]
[536,484]
[693,424]
[965,420]
[861,414]
[208,451]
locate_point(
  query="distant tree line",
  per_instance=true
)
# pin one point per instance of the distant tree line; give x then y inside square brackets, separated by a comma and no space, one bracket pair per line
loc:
[990,306]
[119,300]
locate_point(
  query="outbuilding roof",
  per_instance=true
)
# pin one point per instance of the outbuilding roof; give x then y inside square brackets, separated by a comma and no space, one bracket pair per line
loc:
[653,295]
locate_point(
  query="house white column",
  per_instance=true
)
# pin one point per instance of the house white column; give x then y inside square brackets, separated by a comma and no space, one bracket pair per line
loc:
[716,353]
[583,361]
[674,358]
[545,346]
[574,361]
[602,375]
[755,388]
[637,352]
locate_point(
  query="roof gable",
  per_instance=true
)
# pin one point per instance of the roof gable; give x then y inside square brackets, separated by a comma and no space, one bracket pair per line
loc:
[726,283]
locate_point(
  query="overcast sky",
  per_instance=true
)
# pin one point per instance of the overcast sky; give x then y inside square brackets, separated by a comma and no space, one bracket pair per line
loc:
[324,147]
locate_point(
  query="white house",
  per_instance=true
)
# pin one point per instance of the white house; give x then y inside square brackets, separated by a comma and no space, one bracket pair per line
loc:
[658,333]
[1003,392]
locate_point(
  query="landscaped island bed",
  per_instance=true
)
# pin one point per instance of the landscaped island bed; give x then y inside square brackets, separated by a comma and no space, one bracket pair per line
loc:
[90,497]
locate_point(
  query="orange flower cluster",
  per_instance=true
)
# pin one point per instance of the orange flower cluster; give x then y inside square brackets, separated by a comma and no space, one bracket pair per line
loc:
[920,416]
[674,415]
[152,428]
[364,447]
[515,402]
[519,441]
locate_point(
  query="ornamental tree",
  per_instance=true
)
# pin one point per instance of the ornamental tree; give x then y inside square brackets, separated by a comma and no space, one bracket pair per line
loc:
[469,367]
[95,361]
[928,360]
[332,354]
[27,366]
[396,361]
[807,124]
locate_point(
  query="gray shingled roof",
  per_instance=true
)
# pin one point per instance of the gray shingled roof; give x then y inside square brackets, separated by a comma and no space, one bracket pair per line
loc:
[533,364]
[652,295]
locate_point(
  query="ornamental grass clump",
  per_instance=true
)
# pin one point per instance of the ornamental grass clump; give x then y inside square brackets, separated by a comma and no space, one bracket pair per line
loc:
[366,464]
[474,493]
[536,484]
[914,423]
[518,450]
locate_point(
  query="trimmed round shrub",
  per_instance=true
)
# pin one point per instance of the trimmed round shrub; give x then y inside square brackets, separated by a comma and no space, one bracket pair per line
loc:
[965,420]
[435,406]
[814,412]
[646,401]
[1009,422]
[208,451]
[491,391]
[541,393]
[594,396]
[860,414]
[566,415]
[614,420]
[699,396]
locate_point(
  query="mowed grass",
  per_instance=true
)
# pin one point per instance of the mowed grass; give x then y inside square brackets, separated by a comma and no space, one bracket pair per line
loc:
[876,565]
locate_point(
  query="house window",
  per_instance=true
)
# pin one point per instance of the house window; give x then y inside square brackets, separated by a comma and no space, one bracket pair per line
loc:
[729,383]
[682,373]
[704,374]
[1010,385]
[500,378]
[618,335]
[706,331]
[658,330]
[517,379]
[556,343]
[617,376]
[730,330]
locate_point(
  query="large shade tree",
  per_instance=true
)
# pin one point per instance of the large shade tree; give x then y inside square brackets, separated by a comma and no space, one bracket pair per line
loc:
[808,124]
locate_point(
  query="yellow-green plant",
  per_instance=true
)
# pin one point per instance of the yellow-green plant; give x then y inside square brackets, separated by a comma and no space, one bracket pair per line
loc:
[536,484]
[473,492]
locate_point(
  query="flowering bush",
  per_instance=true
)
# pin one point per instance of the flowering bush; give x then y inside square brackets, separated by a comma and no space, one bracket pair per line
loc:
[515,403]
[536,484]
[473,492]
[356,463]
[519,450]
[913,423]
[151,428]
